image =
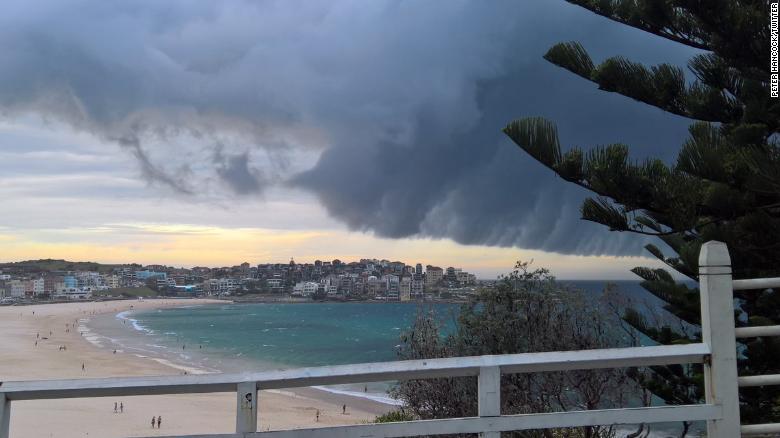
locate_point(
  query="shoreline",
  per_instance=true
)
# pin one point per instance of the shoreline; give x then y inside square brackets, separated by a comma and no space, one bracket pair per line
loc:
[169,357]
[25,359]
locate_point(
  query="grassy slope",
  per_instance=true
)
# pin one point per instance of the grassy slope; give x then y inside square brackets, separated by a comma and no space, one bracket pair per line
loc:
[47,265]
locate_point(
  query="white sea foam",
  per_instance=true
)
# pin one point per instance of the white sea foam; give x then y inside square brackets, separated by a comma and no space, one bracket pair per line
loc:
[187,368]
[134,322]
[98,340]
[87,334]
[379,398]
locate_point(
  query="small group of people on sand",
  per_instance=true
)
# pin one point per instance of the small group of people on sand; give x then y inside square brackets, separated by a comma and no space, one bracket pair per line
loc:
[317,413]
[121,408]
[159,421]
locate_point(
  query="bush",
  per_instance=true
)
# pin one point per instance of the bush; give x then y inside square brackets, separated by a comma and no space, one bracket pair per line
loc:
[525,312]
[394,416]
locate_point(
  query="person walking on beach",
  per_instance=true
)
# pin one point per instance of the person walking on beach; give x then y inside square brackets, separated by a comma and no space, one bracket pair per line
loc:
[318,416]
[159,421]
[121,408]
[83,368]
[153,421]
[344,410]
[115,407]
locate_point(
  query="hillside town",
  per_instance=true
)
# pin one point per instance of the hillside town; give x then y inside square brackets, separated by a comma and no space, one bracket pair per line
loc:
[367,279]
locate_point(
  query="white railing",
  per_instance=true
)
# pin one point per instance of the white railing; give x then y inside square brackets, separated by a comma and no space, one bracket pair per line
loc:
[717,352]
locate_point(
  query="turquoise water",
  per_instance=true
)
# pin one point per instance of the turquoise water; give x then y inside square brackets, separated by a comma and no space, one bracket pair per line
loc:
[235,337]
[274,335]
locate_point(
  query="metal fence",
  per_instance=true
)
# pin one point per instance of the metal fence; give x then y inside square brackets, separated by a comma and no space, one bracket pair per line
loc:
[717,352]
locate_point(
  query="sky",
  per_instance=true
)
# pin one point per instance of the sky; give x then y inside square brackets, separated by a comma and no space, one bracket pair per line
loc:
[212,133]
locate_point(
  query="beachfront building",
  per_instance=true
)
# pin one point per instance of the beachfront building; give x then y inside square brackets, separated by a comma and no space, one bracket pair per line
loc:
[221,286]
[433,275]
[70,281]
[112,281]
[305,288]
[417,286]
[38,287]
[147,274]
[375,288]
[74,293]
[190,289]
[405,288]
[17,288]
[276,285]
[393,284]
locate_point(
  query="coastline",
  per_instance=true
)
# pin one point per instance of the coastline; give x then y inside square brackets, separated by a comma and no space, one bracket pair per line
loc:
[136,338]
[183,414]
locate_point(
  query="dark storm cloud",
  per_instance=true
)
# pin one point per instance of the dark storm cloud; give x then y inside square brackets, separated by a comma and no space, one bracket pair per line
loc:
[403,100]
[236,173]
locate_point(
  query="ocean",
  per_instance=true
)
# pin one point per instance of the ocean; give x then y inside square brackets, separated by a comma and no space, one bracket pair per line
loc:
[235,337]
[263,336]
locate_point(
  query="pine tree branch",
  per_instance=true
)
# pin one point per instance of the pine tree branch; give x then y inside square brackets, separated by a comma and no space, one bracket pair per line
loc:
[592,7]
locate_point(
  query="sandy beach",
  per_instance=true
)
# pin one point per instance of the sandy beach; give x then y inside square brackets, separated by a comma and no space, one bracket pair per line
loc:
[22,359]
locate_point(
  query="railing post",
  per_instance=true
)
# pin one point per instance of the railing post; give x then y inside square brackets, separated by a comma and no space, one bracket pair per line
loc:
[5,416]
[489,388]
[246,407]
[717,326]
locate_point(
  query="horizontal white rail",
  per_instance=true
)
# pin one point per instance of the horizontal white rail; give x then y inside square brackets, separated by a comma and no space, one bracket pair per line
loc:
[754,332]
[764,380]
[503,423]
[757,283]
[358,373]
[760,429]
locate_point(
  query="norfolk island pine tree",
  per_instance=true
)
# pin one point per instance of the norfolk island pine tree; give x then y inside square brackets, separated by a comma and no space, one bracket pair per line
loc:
[724,185]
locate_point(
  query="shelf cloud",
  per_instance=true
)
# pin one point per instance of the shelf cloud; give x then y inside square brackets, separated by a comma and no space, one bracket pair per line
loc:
[390,112]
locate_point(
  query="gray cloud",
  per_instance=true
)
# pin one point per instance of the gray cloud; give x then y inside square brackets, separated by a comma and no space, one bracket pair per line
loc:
[402,101]
[236,173]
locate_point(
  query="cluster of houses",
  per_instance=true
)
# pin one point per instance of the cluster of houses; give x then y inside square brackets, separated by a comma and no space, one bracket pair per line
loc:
[73,285]
[364,279]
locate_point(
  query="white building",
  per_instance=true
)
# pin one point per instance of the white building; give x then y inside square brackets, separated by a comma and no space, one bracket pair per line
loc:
[112,281]
[38,287]
[222,286]
[464,278]
[17,288]
[74,293]
[405,288]
[305,288]
[433,275]
[417,286]
[275,284]
[393,287]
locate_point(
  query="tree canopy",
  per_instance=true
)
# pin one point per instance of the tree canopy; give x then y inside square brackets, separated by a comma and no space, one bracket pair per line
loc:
[724,184]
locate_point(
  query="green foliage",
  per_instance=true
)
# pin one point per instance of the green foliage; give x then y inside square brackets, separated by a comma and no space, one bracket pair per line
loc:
[49,265]
[525,312]
[394,416]
[725,184]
